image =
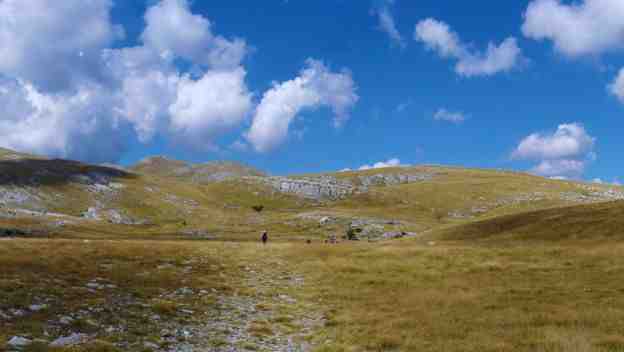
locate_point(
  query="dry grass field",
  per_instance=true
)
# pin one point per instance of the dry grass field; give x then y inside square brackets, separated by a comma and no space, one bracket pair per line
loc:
[499,261]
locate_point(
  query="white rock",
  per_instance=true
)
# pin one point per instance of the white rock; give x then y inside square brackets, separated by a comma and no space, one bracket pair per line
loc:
[37,307]
[94,285]
[150,345]
[66,320]
[18,312]
[70,340]
[18,341]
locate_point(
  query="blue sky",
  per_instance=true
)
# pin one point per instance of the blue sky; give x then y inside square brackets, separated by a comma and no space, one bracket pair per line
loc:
[391,86]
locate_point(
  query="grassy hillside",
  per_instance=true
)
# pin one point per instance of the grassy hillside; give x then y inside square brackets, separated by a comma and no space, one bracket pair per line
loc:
[198,173]
[146,260]
[598,222]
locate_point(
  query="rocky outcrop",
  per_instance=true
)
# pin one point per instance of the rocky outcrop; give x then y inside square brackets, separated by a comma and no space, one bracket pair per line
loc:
[327,187]
[589,194]
[365,181]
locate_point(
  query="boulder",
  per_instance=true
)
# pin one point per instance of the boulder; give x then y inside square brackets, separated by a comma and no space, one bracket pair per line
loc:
[18,342]
[70,340]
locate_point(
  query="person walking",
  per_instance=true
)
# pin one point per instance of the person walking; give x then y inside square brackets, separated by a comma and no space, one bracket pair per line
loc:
[265,237]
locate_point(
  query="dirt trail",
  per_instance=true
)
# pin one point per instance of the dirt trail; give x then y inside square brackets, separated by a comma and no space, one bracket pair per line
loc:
[261,315]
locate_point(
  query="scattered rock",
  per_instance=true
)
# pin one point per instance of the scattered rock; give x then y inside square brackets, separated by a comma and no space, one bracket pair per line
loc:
[203,234]
[66,320]
[150,345]
[18,313]
[18,341]
[70,340]
[37,307]
[325,220]
[91,213]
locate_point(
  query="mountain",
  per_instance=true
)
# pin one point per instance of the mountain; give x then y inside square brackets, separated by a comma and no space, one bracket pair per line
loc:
[198,173]
[173,197]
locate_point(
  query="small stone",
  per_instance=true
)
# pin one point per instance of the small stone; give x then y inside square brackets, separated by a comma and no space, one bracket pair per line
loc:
[18,341]
[18,312]
[150,345]
[37,307]
[65,320]
[70,340]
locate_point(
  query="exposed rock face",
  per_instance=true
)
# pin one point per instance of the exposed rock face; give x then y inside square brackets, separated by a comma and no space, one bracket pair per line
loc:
[325,187]
[391,179]
[592,195]
[332,188]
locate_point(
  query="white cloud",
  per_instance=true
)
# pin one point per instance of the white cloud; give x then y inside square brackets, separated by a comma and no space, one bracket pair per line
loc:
[584,27]
[53,44]
[450,116]
[439,37]
[394,162]
[316,86]
[61,125]
[67,93]
[386,22]
[562,168]
[617,86]
[212,105]
[569,141]
[172,30]
[566,152]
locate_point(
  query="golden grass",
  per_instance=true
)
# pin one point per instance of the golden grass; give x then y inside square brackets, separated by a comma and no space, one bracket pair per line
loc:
[408,297]
[547,280]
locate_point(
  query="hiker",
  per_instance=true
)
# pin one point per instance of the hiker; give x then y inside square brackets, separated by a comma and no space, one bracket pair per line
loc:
[265,237]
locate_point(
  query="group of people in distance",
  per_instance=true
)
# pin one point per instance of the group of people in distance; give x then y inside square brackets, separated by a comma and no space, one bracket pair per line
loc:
[264,237]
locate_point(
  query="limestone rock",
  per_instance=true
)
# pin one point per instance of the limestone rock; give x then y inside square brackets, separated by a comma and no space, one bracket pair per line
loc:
[18,341]
[70,340]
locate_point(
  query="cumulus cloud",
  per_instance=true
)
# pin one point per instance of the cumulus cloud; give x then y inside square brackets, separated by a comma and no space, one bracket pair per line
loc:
[563,168]
[386,22]
[315,87]
[172,30]
[54,44]
[450,116]
[569,140]
[566,152]
[67,92]
[617,86]
[207,107]
[585,27]
[394,162]
[51,124]
[439,37]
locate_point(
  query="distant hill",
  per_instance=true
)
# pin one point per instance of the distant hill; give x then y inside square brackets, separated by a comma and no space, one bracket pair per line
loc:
[172,196]
[197,173]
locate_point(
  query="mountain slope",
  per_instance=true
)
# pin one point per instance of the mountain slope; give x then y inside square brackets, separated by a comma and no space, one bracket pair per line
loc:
[581,222]
[163,196]
[198,173]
